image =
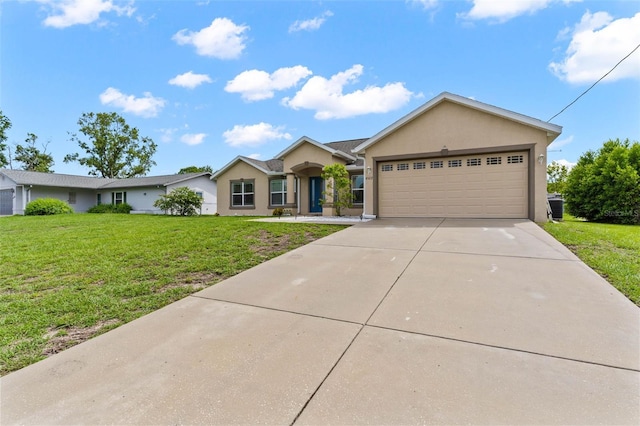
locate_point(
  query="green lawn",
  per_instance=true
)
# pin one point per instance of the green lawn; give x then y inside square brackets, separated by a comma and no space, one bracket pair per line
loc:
[67,278]
[611,250]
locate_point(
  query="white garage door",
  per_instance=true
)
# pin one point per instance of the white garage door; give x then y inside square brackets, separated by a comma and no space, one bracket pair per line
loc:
[473,186]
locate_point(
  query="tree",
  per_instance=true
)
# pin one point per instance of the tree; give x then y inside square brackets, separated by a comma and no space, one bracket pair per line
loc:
[32,158]
[338,187]
[604,186]
[114,149]
[182,201]
[556,177]
[195,169]
[5,124]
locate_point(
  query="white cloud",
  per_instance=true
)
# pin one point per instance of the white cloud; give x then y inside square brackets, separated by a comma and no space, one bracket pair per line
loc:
[254,135]
[255,85]
[255,156]
[66,13]
[222,39]
[193,138]
[566,163]
[166,135]
[310,24]
[326,97]
[598,43]
[426,4]
[190,80]
[559,143]
[504,10]
[146,106]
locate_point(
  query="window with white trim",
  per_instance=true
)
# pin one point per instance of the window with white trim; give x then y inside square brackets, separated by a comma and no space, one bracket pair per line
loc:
[357,188]
[72,198]
[278,192]
[242,193]
[118,198]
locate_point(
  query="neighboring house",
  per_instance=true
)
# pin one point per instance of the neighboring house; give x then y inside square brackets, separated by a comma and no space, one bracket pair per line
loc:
[19,187]
[451,157]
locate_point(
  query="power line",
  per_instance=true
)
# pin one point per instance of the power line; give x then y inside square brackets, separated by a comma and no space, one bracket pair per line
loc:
[599,80]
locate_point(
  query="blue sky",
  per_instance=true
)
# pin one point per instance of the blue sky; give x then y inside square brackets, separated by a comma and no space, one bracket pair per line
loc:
[210,80]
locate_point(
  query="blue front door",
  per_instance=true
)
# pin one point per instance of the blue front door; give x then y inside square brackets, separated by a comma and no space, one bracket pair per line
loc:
[315,194]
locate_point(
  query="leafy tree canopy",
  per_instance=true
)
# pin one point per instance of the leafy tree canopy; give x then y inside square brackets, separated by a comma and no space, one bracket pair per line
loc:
[338,186]
[5,124]
[604,185]
[556,177]
[32,158]
[195,169]
[113,149]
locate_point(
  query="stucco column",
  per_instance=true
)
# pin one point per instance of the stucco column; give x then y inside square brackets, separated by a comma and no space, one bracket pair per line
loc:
[291,190]
[327,206]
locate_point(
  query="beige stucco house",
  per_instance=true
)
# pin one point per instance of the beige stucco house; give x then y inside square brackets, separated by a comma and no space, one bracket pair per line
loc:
[451,157]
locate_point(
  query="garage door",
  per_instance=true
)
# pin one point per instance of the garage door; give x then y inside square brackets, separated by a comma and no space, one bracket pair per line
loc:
[473,186]
[6,202]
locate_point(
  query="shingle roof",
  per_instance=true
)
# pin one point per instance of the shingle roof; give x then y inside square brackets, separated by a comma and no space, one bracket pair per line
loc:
[22,177]
[346,146]
[152,180]
[270,165]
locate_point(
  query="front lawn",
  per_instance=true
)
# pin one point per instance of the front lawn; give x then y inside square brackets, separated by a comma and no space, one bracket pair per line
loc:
[611,250]
[67,278]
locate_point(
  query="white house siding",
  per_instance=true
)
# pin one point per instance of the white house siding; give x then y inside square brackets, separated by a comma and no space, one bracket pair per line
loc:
[207,187]
[84,198]
[141,199]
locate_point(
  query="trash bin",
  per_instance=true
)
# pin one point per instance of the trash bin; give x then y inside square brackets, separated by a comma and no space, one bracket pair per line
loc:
[557,208]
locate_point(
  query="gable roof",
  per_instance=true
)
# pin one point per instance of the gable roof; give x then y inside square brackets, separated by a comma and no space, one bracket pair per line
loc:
[23,177]
[269,167]
[553,130]
[333,149]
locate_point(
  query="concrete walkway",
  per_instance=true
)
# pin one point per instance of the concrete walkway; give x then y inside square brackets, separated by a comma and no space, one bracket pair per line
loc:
[386,322]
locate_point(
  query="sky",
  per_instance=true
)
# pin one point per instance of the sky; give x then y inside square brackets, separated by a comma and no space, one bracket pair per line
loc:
[211,80]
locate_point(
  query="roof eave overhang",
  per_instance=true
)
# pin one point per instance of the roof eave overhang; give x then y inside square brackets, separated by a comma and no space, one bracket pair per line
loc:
[233,162]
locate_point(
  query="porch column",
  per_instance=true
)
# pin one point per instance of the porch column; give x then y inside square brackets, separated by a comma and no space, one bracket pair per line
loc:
[327,206]
[291,190]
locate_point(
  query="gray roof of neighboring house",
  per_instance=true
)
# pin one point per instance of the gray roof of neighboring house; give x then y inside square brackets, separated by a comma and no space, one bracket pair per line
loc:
[152,180]
[22,177]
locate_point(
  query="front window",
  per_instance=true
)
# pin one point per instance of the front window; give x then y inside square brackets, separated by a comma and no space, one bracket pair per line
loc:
[118,198]
[357,188]
[278,192]
[242,194]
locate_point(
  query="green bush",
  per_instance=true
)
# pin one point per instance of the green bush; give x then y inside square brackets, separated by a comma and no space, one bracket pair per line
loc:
[47,206]
[604,186]
[111,208]
[181,201]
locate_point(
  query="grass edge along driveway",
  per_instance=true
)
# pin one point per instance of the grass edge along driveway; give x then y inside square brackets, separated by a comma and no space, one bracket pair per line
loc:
[67,278]
[613,251]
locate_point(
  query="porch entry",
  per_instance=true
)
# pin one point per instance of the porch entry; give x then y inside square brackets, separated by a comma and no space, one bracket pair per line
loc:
[316,185]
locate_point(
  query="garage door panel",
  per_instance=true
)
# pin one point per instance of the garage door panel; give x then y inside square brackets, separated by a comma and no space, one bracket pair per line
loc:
[496,188]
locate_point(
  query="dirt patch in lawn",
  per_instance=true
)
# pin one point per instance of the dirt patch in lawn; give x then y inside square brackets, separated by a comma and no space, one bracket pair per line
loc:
[63,338]
[193,281]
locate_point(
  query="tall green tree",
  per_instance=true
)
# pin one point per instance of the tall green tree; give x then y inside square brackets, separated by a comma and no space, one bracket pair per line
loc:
[604,185]
[556,177]
[32,158]
[5,124]
[112,148]
[338,186]
[195,169]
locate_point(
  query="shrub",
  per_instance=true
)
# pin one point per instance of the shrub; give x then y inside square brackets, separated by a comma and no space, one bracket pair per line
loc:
[47,206]
[604,186]
[111,208]
[181,201]
[278,211]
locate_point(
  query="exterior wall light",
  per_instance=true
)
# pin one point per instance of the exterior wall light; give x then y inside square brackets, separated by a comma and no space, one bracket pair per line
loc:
[540,159]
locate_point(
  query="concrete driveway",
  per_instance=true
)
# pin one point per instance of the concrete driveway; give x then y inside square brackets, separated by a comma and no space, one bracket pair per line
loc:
[387,322]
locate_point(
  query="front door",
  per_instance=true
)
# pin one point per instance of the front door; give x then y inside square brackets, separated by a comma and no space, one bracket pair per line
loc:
[315,194]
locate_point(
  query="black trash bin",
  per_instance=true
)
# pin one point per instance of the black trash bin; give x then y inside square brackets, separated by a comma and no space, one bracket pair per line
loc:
[557,207]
